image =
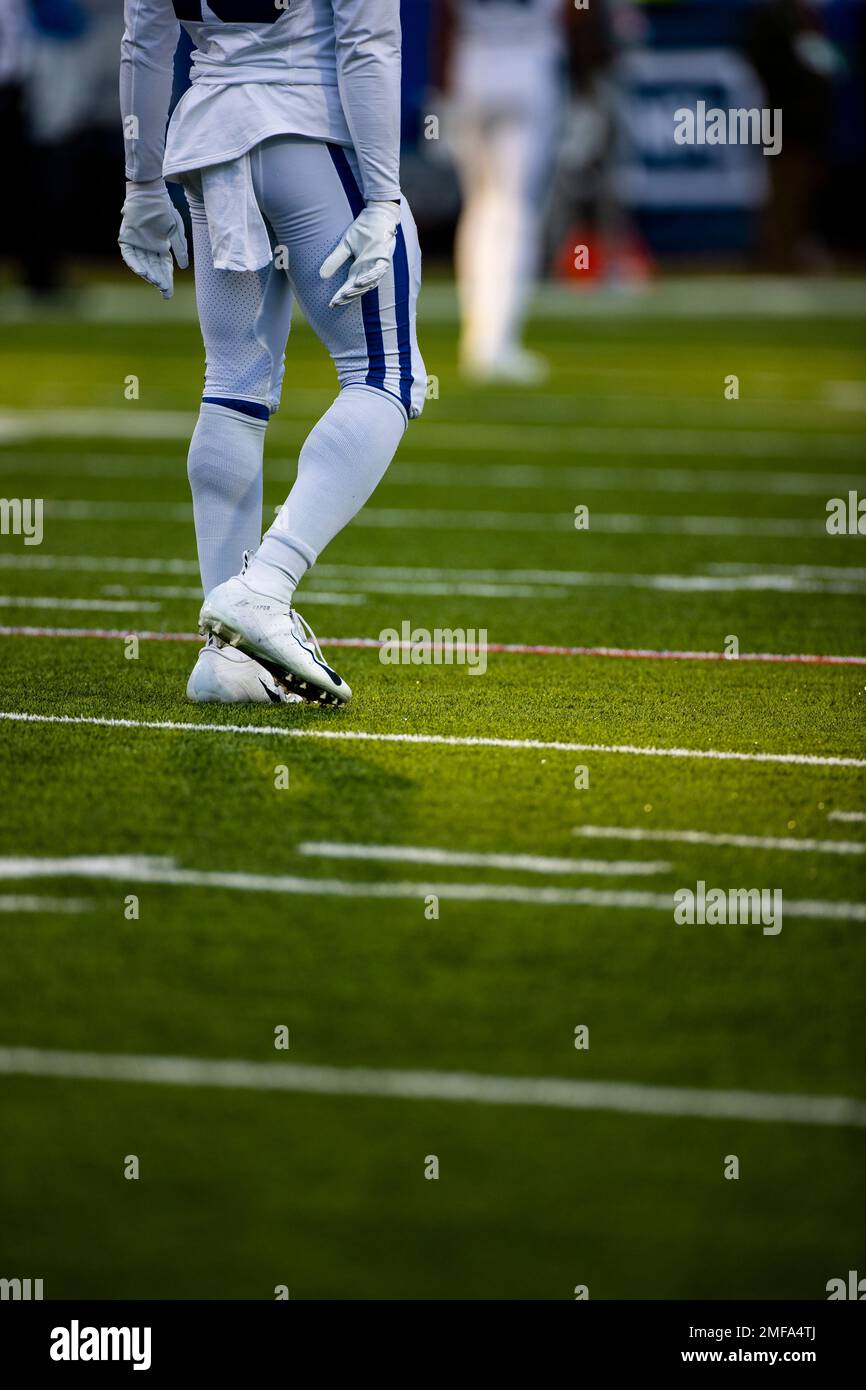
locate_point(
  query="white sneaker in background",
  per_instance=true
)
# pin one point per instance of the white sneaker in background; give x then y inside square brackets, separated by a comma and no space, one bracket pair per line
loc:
[516,367]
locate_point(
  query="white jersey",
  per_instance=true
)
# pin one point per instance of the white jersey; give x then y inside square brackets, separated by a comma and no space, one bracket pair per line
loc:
[512,26]
[508,54]
[326,69]
[292,43]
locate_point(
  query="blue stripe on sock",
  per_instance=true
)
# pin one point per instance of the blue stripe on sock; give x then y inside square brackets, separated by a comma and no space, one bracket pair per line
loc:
[258,412]
[401,306]
[370,301]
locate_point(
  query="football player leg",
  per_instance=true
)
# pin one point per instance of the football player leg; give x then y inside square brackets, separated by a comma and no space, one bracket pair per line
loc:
[505,159]
[309,193]
[245,320]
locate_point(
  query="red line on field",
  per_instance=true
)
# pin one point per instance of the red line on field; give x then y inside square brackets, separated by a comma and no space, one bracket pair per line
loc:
[506,648]
[104,632]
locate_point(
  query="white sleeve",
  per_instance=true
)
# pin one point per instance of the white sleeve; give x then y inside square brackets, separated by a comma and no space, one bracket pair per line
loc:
[146,77]
[368,74]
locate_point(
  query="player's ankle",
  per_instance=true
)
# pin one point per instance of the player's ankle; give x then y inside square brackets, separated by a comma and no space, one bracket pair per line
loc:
[271,580]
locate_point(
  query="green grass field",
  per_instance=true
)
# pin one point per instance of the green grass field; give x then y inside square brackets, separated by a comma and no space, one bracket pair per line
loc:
[706,522]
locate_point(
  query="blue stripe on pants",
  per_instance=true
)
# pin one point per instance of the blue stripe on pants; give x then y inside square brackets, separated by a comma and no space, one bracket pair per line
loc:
[401,307]
[369,301]
[258,412]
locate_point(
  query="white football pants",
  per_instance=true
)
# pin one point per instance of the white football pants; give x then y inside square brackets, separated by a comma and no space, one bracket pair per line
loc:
[308,194]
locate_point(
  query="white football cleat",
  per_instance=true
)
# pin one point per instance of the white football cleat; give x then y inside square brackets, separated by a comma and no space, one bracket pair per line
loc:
[276,637]
[515,366]
[228,677]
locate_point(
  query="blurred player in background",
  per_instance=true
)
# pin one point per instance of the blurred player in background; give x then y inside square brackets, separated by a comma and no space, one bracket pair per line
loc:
[288,145]
[797,64]
[58,121]
[503,69]
[15,42]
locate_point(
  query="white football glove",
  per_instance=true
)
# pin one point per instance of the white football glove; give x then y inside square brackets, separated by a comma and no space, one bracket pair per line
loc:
[151,229]
[370,240]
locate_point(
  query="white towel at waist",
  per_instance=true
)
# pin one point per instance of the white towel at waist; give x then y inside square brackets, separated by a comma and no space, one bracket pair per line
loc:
[238,236]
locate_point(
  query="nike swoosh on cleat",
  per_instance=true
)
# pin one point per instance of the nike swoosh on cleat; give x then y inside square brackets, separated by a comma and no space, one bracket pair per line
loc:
[271,694]
[338,680]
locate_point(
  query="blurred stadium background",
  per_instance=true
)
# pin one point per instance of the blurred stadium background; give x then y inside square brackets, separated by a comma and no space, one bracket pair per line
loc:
[645,203]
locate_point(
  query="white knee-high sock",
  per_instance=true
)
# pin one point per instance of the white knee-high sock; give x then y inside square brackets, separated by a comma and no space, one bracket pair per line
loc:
[225,475]
[343,459]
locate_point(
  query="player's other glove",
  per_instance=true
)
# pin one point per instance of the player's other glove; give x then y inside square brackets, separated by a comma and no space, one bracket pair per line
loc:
[151,229]
[369,242]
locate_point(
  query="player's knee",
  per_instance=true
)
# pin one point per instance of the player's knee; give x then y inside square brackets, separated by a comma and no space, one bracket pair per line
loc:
[242,373]
[407,392]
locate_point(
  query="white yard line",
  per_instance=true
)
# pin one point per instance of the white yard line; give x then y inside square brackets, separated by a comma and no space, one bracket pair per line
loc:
[849,817]
[396,578]
[346,591]
[127,869]
[519,476]
[409,519]
[83,866]
[498,584]
[423,519]
[86,422]
[458,859]
[853,578]
[17,902]
[82,509]
[849,572]
[735,297]
[640,835]
[549,1092]
[351,591]
[95,564]
[600,579]
[341,599]
[85,605]
[435,740]
[530,476]
[633,440]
